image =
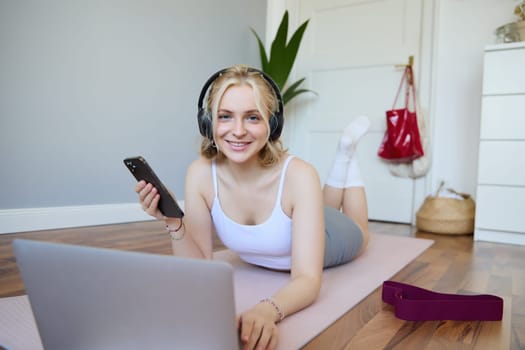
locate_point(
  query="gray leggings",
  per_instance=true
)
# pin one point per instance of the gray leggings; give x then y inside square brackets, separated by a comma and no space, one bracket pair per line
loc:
[343,238]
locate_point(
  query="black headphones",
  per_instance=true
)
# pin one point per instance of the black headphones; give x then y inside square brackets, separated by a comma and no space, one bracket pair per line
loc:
[205,119]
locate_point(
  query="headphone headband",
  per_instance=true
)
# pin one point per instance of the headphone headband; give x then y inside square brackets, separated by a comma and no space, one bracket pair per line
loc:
[204,119]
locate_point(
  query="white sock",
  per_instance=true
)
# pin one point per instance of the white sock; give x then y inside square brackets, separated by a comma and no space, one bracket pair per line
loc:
[353,176]
[338,176]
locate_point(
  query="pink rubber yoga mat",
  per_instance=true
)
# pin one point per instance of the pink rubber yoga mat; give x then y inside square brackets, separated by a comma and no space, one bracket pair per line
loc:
[343,288]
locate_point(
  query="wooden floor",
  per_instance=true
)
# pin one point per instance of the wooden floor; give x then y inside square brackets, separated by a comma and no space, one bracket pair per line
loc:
[454,264]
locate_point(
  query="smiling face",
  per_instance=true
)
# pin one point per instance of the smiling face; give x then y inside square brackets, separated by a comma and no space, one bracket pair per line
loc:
[240,130]
[242,91]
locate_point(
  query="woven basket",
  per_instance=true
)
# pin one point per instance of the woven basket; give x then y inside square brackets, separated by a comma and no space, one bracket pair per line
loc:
[447,215]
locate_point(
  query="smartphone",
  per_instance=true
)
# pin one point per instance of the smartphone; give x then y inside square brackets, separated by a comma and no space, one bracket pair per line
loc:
[141,170]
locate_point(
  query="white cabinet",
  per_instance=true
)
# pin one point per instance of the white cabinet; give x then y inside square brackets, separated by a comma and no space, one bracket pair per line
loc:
[500,196]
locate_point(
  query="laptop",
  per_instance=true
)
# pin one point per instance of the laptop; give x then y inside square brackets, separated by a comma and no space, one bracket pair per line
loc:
[96,298]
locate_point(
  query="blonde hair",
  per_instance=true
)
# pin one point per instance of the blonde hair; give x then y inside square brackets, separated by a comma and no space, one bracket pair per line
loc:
[265,101]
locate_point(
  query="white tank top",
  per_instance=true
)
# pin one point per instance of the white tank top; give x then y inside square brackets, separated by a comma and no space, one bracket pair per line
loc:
[268,244]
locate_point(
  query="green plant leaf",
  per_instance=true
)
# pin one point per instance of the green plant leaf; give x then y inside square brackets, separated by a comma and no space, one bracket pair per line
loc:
[279,63]
[290,95]
[292,91]
[276,69]
[282,55]
[262,51]
[296,84]
[293,47]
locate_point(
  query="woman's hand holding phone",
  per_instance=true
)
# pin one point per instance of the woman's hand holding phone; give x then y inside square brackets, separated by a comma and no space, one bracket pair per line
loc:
[149,199]
[154,197]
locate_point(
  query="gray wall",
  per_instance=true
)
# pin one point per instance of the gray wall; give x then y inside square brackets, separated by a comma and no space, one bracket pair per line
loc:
[85,83]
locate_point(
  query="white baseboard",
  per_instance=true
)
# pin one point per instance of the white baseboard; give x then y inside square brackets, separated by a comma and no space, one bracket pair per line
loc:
[499,236]
[36,219]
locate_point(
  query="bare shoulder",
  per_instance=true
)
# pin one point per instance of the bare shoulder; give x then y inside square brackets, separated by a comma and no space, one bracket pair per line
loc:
[199,178]
[302,172]
[302,190]
[199,167]
[302,179]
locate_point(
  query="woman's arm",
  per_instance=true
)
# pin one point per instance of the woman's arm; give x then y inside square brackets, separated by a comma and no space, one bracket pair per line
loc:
[303,194]
[308,238]
[197,240]
[193,236]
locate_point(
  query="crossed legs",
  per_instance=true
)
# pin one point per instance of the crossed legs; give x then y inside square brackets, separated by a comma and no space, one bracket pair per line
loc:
[344,190]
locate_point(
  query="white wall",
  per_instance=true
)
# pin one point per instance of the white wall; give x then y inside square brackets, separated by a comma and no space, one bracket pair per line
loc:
[86,83]
[463,29]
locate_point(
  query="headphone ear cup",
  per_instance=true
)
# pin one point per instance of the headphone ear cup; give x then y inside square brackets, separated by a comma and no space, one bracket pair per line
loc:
[276,126]
[205,124]
[273,126]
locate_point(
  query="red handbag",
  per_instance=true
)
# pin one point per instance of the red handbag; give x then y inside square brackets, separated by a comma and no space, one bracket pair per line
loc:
[402,141]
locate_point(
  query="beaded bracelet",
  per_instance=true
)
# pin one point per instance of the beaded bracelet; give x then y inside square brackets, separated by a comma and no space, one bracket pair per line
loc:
[276,307]
[175,230]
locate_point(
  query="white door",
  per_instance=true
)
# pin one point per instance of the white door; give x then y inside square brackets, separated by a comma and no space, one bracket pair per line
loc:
[349,55]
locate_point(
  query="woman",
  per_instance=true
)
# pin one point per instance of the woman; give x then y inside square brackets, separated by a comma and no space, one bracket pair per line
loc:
[263,203]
